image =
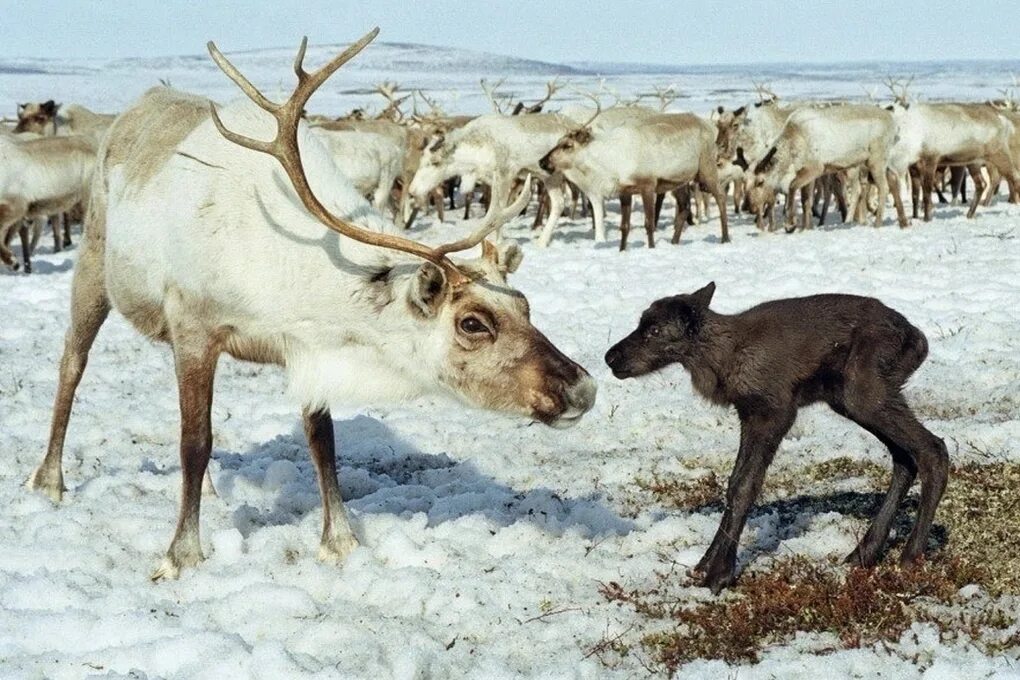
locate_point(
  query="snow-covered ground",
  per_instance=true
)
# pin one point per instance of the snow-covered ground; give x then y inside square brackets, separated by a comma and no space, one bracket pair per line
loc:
[484,538]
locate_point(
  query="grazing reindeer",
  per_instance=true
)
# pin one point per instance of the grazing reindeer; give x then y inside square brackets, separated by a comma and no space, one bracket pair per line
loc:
[819,140]
[851,352]
[494,149]
[338,305]
[40,177]
[371,161]
[648,156]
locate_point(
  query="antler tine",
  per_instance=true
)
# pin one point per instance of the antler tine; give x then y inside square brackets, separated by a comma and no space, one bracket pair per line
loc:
[284,148]
[490,223]
[239,79]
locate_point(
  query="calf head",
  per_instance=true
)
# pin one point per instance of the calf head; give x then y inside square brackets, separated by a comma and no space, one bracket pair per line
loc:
[669,332]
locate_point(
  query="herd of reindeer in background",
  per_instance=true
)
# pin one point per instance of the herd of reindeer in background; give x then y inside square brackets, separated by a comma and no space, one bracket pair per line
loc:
[853,153]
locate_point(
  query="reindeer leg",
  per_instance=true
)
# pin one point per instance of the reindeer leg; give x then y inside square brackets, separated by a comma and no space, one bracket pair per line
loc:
[894,186]
[683,212]
[55,226]
[598,216]
[625,205]
[26,243]
[543,202]
[760,435]
[195,356]
[12,212]
[648,205]
[979,188]
[89,308]
[337,538]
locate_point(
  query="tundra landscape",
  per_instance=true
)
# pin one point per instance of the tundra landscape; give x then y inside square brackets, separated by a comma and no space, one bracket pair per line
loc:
[426,278]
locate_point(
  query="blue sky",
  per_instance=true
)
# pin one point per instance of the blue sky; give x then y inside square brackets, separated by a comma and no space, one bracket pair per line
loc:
[734,31]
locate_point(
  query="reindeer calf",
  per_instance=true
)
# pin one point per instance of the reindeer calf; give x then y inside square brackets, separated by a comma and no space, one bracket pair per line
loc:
[851,352]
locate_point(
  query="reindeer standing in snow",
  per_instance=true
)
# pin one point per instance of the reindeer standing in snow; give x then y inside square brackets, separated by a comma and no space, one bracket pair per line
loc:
[324,287]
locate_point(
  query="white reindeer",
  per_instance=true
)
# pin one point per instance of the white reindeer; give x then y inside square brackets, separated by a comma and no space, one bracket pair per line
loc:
[819,140]
[648,155]
[40,177]
[370,160]
[347,309]
[495,149]
[946,134]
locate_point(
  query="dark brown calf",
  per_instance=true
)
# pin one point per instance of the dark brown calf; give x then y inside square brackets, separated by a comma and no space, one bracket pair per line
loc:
[851,352]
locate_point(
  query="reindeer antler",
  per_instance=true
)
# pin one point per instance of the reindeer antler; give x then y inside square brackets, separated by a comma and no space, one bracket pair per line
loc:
[389,91]
[666,96]
[284,148]
[490,92]
[899,89]
[765,93]
[598,106]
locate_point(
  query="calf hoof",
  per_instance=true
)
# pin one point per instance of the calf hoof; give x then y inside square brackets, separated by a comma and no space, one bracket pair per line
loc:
[718,578]
[170,568]
[861,557]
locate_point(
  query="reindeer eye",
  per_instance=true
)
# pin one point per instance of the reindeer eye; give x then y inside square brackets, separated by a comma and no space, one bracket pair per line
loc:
[653,331]
[471,325]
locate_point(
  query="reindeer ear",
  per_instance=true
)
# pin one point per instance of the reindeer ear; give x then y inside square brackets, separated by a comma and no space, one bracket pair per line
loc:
[50,107]
[428,289]
[740,111]
[22,107]
[510,257]
[704,296]
[489,252]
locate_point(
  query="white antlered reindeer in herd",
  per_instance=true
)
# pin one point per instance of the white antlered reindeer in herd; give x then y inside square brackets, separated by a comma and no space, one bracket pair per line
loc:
[647,155]
[495,149]
[323,286]
[40,177]
[816,141]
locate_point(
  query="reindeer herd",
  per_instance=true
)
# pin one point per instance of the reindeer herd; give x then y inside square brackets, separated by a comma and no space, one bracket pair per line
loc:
[328,286]
[810,153]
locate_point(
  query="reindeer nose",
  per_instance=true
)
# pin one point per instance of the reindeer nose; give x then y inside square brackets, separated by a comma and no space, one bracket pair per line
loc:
[546,163]
[613,357]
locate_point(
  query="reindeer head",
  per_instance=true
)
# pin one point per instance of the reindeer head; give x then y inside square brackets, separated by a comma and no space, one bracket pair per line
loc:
[669,332]
[458,325]
[37,117]
[434,166]
[486,349]
[563,156]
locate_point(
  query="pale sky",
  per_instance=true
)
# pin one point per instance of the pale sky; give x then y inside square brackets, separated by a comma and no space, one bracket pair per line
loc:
[666,32]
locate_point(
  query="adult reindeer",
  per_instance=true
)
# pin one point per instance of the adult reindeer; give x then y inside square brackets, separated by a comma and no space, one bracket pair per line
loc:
[355,309]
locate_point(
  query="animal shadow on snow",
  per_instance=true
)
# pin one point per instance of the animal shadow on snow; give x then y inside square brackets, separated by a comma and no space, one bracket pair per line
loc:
[794,516]
[381,473]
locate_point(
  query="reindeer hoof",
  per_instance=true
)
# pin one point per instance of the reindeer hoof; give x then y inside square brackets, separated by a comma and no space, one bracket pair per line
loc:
[719,579]
[170,568]
[51,485]
[336,551]
[166,571]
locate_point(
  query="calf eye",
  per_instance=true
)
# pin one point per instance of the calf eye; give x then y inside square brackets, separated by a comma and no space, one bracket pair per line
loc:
[472,325]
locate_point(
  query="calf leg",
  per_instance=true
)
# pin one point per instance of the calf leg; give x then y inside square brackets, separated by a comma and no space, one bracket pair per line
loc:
[760,435]
[337,538]
[89,308]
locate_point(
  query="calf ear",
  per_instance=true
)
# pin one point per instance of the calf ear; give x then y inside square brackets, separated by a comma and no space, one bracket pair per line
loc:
[703,296]
[428,289]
